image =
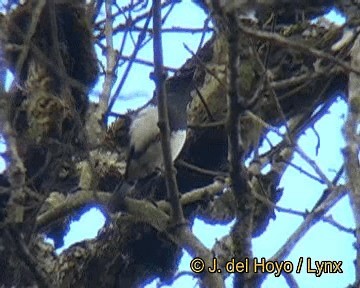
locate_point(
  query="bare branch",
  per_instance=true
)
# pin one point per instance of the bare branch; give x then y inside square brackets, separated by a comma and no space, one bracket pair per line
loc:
[84,197]
[110,60]
[30,33]
[290,280]
[201,170]
[282,41]
[140,40]
[159,75]
[146,63]
[316,167]
[56,45]
[310,220]
[242,231]
[351,151]
[25,256]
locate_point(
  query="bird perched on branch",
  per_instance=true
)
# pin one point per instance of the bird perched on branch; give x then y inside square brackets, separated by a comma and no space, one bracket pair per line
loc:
[138,133]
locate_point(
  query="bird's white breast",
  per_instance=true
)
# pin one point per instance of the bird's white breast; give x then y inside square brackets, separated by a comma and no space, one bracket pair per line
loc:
[177,142]
[144,127]
[145,140]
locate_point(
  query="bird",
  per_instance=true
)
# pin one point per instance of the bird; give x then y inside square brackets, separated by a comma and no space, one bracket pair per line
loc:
[138,134]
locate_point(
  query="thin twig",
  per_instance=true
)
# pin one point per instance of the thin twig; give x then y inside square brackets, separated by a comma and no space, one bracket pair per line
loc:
[290,280]
[24,255]
[316,167]
[310,220]
[302,170]
[327,218]
[139,18]
[177,276]
[282,41]
[205,29]
[201,170]
[217,124]
[330,220]
[35,17]
[44,59]
[206,107]
[56,45]
[141,38]
[273,95]
[306,120]
[295,80]
[146,62]
[203,65]
[174,29]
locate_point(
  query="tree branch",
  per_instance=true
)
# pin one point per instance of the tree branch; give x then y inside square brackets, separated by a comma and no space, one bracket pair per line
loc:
[351,151]
[311,219]
[159,77]
[282,41]
[110,59]
[24,255]
[140,40]
[242,231]
[84,197]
